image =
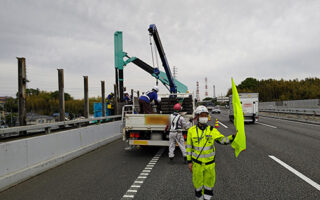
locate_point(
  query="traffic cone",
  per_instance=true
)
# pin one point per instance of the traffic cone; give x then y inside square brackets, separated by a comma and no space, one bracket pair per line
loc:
[217,124]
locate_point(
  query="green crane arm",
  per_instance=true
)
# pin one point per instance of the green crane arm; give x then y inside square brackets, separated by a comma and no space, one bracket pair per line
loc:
[120,62]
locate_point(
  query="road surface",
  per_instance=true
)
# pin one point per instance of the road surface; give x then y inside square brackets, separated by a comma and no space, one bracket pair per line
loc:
[282,161]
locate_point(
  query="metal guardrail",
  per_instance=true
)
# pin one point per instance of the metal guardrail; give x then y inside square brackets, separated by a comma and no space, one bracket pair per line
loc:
[298,111]
[47,127]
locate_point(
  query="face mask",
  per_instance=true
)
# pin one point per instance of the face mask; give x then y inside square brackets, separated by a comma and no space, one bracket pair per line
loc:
[203,120]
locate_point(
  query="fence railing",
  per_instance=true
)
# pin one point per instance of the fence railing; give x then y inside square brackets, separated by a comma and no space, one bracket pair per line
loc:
[47,127]
[298,111]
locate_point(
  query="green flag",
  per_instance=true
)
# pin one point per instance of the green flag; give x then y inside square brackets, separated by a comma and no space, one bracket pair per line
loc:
[239,143]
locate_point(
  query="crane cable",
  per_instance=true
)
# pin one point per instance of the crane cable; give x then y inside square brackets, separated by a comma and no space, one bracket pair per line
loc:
[150,42]
[153,58]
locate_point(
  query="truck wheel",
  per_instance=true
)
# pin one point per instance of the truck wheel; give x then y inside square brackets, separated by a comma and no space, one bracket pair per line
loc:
[231,119]
[253,119]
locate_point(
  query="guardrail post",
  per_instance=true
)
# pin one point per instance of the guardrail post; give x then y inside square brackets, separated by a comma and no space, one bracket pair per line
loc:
[86,97]
[103,100]
[22,80]
[61,94]
[48,130]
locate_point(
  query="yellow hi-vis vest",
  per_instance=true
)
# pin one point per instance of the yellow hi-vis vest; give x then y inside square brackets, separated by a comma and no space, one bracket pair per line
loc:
[198,139]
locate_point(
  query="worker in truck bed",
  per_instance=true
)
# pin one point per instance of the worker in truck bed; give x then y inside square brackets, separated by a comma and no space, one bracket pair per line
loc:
[126,98]
[146,99]
[177,123]
[110,104]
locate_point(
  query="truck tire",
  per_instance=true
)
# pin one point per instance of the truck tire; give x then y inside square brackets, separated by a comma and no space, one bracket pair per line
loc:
[230,118]
[253,119]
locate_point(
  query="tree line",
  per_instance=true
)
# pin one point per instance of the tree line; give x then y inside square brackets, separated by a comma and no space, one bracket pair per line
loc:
[280,90]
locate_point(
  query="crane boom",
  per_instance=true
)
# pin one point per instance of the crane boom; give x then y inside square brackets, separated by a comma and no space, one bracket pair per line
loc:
[122,59]
[154,33]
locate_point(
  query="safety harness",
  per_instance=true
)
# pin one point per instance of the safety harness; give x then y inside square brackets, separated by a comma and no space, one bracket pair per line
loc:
[174,123]
[196,160]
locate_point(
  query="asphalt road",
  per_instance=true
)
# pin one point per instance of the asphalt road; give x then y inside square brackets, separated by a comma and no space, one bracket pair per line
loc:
[110,171]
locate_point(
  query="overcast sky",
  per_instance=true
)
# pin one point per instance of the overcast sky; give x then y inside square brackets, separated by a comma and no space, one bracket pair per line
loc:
[208,38]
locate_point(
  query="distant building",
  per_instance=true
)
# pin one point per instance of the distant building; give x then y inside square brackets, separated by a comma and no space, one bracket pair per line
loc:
[3,100]
[222,99]
[34,119]
[2,118]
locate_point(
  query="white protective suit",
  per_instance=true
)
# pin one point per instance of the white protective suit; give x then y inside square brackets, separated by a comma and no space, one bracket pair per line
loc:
[177,124]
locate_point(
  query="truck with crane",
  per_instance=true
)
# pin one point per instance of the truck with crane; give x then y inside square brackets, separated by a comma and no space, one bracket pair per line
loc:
[150,129]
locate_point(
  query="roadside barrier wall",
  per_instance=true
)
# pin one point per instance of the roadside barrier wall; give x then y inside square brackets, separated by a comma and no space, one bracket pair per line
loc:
[24,158]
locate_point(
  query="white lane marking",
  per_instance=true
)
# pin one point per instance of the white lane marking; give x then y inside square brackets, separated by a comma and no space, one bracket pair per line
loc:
[128,196]
[222,124]
[266,125]
[138,181]
[303,177]
[134,188]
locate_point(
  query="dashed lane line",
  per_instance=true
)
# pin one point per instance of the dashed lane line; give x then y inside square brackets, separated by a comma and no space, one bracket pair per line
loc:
[266,125]
[128,196]
[222,124]
[300,175]
[134,188]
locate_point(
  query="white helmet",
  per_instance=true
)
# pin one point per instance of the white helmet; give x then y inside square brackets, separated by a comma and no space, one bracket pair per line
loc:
[156,88]
[201,109]
[125,92]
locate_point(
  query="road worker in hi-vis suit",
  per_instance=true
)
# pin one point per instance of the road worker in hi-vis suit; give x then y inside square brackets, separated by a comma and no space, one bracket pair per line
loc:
[201,153]
[177,123]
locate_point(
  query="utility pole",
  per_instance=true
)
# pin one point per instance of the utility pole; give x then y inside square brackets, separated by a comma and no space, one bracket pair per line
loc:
[61,94]
[214,91]
[206,87]
[132,99]
[86,97]
[22,82]
[103,100]
[197,92]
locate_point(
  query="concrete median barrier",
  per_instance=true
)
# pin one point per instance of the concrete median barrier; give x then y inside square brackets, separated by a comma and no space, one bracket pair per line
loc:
[25,158]
[313,119]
